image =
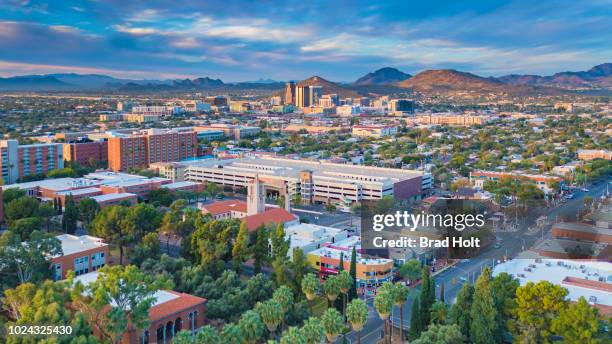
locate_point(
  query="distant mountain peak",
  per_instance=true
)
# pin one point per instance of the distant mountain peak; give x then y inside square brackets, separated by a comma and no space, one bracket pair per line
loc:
[383,76]
[599,76]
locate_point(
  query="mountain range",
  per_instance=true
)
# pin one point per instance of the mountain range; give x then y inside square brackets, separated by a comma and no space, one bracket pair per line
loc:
[599,76]
[382,81]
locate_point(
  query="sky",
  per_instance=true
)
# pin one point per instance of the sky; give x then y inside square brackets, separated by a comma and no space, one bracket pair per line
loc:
[289,40]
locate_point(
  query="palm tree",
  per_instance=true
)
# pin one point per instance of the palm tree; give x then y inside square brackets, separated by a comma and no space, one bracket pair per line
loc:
[439,313]
[310,288]
[207,335]
[251,326]
[383,303]
[357,315]
[312,330]
[231,334]
[293,336]
[332,324]
[271,314]
[284,297]
[331,287]
[400,294]
[346,282]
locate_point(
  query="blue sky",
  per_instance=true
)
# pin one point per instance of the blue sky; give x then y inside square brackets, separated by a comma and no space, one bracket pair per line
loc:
[282,40]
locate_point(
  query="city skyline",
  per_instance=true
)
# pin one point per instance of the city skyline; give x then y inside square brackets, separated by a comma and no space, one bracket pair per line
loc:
[240,41]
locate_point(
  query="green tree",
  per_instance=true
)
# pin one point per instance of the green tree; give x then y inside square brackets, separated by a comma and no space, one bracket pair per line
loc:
[578,323]
[141,219]
[383,302]
[311,286]
[411,270]
[240,250]
[29,260]
[108,225]
[9,194]
[21,208]
[415,320]
[231,334]
[459,313]
[284,296]
[440,334]
[332,324]
[46,212]
[426,299]
[504,293]
[71,216]
[271,314]
[312,330]
[439,313]
[346,283]
[260,249]
[161,196]
[400,295]
[44,304]
[251,326]
[298,268]
[148,248]
[24,227]
[293,335]
[331,288]
[483,314]
[353,273]
[536,307]
[130,294]
[357,314]
[207,335]
[183,337]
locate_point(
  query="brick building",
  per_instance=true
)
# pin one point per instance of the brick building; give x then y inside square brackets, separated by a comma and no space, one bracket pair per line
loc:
[142,148]
[86,153]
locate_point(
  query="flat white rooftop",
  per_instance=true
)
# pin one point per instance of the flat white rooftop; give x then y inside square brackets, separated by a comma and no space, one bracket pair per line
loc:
[74,244]
[57,184]
[78,192]
[345,247]
[161,296]
[303,234]
[556,270]
[283,167]
[112,196]
[178,185]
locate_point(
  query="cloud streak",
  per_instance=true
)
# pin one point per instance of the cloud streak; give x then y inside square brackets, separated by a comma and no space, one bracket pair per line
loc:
[341,40]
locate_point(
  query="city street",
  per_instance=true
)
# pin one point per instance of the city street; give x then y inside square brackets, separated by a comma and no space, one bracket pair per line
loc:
[469,269]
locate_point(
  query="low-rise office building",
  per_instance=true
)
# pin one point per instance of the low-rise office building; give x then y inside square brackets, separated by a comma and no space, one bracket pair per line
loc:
[370,271]
[81,254]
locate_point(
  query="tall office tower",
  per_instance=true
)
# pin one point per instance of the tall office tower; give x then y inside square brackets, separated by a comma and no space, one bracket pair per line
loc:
[290,93]
[302,98]
[19,161]
[315,94]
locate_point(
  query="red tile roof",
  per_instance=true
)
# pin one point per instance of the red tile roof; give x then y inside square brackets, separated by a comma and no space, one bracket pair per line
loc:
[273,215]
[181,303]
[222,207]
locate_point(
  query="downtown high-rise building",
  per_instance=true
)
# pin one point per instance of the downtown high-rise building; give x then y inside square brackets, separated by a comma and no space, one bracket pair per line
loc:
[290,90]
[308,96]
